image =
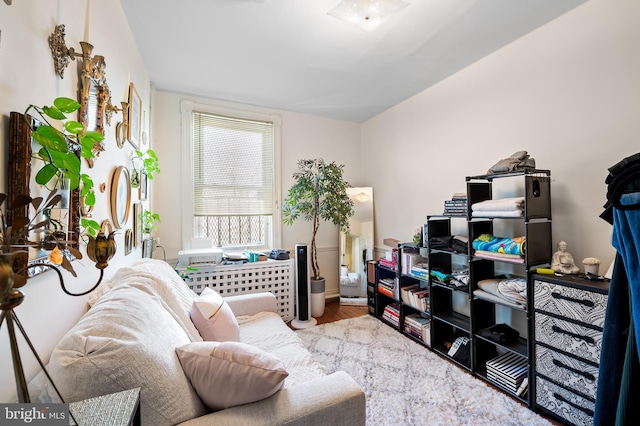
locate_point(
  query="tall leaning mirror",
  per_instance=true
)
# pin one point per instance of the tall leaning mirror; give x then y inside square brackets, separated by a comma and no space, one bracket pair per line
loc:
[356,248]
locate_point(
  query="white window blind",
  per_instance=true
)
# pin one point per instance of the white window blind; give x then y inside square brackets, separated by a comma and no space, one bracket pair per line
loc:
[232,166]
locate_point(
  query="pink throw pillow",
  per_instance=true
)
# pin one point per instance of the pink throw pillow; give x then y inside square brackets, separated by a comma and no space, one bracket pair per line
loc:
[226,374]
[213,318]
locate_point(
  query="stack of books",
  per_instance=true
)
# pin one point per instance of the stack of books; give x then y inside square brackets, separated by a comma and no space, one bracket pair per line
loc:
[457,205]
[418,327]
[509,371]
[409,260]
[387,286]
[390,261]
[415,296]
[391,314]
[420,270]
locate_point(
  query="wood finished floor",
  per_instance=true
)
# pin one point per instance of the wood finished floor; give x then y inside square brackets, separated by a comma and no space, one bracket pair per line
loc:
[334,311]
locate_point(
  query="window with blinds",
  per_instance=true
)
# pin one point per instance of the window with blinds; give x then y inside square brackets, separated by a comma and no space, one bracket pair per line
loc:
[233,180]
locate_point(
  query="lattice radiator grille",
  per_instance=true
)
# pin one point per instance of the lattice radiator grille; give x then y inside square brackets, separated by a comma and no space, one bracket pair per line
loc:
[275,276]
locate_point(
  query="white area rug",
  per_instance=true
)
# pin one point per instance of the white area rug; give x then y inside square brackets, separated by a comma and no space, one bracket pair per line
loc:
[405,383]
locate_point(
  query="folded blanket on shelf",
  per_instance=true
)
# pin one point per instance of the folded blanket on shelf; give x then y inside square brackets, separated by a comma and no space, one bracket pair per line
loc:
[494,255]
[481,294]
[496,213]
[460,243]
[519,160]
[500,204]
[440,243]
[440,276]
[499,256]
[458,279]
[513,290]
[491,243]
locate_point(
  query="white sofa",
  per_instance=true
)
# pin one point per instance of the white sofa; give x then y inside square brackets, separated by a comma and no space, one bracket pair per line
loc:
[128,339]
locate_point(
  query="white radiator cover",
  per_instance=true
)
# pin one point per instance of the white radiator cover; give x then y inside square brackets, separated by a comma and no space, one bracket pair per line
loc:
[275,276]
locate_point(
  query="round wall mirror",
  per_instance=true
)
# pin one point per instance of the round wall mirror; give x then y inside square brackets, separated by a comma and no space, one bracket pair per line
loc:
[120,197]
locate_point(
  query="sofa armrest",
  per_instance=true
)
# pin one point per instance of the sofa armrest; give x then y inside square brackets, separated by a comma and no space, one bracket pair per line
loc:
[253,303]
[335,399]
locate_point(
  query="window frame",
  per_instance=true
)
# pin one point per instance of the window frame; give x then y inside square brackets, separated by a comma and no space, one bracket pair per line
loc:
[187,108]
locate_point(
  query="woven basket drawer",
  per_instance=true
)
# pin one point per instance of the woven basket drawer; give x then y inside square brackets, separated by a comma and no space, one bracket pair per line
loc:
[571,372]
[571,407]
[574,303]
[583,342]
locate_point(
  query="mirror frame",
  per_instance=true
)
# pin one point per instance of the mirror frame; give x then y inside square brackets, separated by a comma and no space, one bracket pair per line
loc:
[19,174]
[120,197]
[93,80]
[356,266]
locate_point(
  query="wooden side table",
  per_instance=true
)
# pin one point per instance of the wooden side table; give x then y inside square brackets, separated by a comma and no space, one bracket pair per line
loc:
[116,409]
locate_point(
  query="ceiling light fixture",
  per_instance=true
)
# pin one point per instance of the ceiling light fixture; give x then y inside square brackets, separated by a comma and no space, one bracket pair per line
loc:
[367,14]
[361,197]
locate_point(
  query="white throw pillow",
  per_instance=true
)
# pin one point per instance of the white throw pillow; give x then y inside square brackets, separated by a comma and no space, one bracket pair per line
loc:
[213,318]
[226,374]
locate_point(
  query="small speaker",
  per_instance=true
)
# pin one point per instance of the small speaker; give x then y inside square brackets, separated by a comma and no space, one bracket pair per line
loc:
[303,317]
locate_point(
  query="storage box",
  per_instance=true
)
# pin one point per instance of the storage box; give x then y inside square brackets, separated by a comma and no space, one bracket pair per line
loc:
[371,271]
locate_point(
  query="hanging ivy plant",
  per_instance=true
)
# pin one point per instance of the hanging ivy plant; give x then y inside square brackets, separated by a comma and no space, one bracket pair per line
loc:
[62,150]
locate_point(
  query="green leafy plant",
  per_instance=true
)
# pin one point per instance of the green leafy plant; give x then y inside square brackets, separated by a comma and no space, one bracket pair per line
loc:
[319,192]
[62,150]
[184,274]
[90,226]
[146,162]
[148,218]
[417,237]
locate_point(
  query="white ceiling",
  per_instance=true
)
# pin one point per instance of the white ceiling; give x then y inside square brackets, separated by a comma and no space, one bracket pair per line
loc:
[291,55]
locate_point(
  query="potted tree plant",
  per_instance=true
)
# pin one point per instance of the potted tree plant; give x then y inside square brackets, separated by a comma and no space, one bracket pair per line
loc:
[319,192]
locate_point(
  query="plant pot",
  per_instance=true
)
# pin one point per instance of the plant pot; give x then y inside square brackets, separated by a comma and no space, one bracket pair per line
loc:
[134,180]
[317,297]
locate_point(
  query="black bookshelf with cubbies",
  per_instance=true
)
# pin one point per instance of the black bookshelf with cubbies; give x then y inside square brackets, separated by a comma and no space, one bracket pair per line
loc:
[450,307]
[371,284]
[487,336]
[394,305]
[503,328]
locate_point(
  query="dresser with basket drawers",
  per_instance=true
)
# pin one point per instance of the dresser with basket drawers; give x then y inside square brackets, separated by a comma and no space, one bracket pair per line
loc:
[569,313]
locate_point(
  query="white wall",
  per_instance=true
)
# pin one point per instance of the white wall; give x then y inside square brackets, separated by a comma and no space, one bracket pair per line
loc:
[27,77]
[302,136]
[568,93]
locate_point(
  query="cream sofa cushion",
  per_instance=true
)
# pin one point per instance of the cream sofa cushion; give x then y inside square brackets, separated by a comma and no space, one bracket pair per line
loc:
[127,340]
[156,276]
[268,332]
